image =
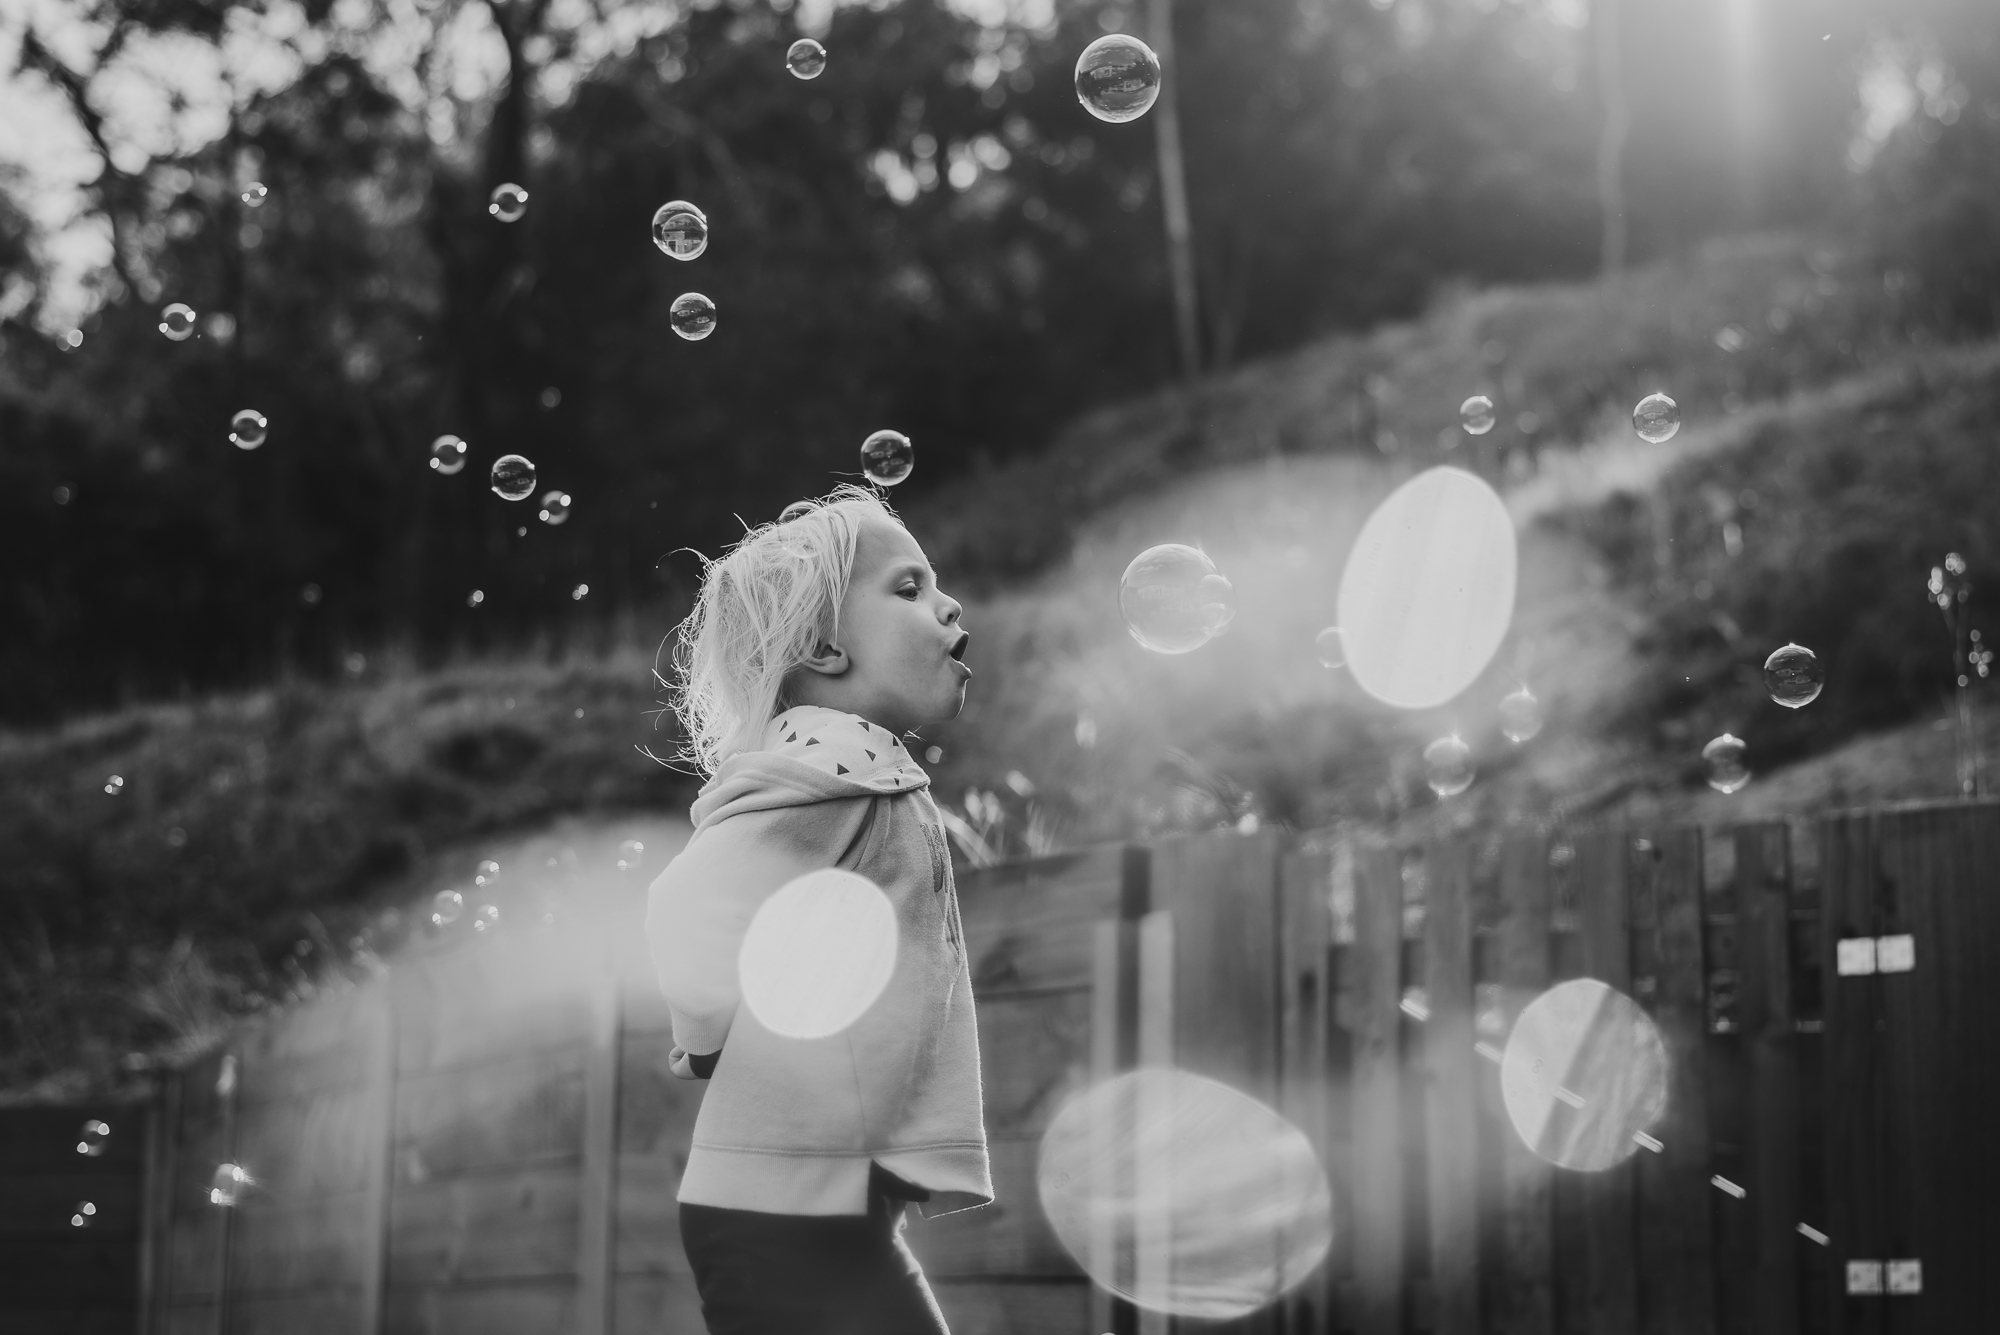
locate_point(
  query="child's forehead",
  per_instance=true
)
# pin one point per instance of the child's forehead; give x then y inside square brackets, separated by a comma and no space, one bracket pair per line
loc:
[884,547]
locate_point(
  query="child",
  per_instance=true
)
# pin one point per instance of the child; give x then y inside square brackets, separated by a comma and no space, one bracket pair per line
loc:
[814,644]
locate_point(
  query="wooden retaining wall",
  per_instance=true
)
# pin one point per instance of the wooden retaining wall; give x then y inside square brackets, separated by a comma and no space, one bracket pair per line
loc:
[487,1138]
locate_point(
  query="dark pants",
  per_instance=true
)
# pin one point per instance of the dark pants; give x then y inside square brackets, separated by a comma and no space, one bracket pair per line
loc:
[781,1274]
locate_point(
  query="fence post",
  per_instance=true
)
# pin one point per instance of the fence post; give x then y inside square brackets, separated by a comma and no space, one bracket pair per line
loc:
[1604,919]
[1452,1103]
[1153,1255]
[1771,1151]
[596,1186]
[1305,939]
[381,1038]
[1525,1299]
[1377,1091]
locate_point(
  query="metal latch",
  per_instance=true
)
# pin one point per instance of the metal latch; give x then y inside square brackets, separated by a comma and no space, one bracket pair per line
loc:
[1876,954]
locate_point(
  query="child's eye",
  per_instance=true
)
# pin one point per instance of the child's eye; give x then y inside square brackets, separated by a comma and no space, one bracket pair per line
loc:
[911,588]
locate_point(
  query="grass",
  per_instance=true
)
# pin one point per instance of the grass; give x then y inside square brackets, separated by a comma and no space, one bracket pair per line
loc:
[264,843]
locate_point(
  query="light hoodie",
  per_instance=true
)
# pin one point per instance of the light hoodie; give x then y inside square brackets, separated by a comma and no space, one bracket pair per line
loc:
[787,1125]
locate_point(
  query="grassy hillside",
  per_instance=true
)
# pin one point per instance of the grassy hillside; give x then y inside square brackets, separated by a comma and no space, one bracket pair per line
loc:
[268,843]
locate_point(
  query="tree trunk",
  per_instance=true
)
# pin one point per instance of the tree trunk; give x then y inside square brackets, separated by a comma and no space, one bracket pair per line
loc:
[1173,190]
[1611,135]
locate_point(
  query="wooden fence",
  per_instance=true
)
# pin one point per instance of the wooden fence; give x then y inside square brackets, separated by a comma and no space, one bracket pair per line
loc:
[487,1138]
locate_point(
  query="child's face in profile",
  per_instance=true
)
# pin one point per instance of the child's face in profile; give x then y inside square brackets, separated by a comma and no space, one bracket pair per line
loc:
[897,663]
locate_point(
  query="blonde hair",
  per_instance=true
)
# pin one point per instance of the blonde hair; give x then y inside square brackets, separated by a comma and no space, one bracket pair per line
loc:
[763,608]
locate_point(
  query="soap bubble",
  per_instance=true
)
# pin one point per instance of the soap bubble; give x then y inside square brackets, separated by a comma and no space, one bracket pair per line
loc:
[489,871]
[90,1141]
[1428,590]
[513,478]
[508,202]
[115,784]
[817,954]
[177,322]
[680,229]
[1793,676]
[446,908]
[1587,1047]
[448,455]
[1520,715]
[692,316]
[85,1211]
[475,598]
[254,195]
[1476,415]
[579,593]
[1174,599]
[70,341]
[1656,419]
[805,58]
[555,508]
[246,429]
[228,1184]
[1448,766]
[629,854]
[1726,762]
[1184,1196]
[487,918]
[887,457]
[1117,78]
[1331,647]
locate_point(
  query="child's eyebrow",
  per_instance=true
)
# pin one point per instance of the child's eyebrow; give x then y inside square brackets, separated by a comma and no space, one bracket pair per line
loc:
[911,568]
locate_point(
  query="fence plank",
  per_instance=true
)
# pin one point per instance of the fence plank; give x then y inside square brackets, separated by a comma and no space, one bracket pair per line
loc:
[1304,944]
[163,1151]
[1377,1091]
[1604,938]
[1114,1048]
[1524,1291]
[1676,1244]
[1771,1143]
[1158,991]
[1854,1081]
[596,1186]
[1451,1092]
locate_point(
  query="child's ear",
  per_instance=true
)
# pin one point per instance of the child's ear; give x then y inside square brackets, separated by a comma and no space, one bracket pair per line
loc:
[828,659]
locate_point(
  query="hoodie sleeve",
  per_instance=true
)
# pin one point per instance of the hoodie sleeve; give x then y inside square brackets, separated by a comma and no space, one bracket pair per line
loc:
[700,907]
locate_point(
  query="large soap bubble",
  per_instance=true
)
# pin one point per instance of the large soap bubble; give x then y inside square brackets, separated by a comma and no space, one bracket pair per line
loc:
[1726,763]
[692,315]
[247,429]
[817,954]
[1184,1196]
[507,202]
[513,477]
[1520,715]
[1428,590]
[1117,78]
[1448,766]
[805,58]
[177,322]
[448,455]
[1656,419]
[1585,1071]
[1793,676]
[1174,600]
[1476,415]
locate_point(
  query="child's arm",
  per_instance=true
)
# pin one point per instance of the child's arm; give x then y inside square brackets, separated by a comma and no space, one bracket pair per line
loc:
[697,913]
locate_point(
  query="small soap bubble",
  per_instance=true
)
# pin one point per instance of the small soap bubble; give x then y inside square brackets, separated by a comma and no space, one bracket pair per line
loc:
[692,316]
[356,664]
[551,396]
[221,326]
[475,598]
[254,195]
[489,872]
[1793,676]
[177,322]
[579,593]
[228,1184]
[521,531]
[1331,646]
[1448,766]
[629,853]
[1476,415]
[247,428]
[1520,715]
[90,1141]
[805,58]
[1173,599]
[508,202]
[1117,78]
[446,908]
[448,455]
[555,508]
[513,478]
[487,918]
[934,754]
[311,594]
[70,341]
[1656,419]
[887,457]
[85,1211]
[680,229]
[1726,761]
[115,784]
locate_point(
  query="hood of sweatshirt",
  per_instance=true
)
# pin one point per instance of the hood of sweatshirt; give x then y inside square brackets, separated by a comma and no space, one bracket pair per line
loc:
[810,754]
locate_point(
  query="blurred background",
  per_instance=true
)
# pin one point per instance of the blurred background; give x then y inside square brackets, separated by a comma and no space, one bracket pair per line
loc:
[260,705]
